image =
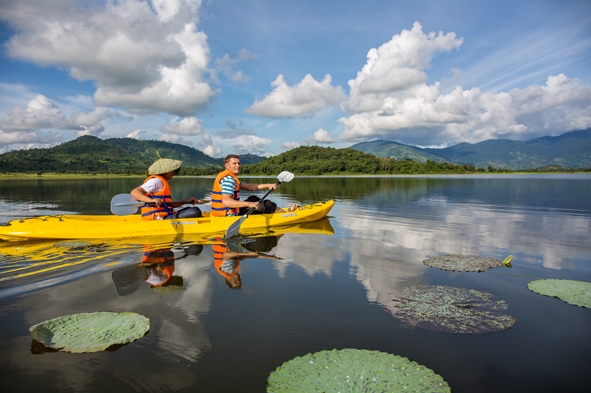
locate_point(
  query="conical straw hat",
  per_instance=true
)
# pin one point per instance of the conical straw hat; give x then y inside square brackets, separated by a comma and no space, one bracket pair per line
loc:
[164,165]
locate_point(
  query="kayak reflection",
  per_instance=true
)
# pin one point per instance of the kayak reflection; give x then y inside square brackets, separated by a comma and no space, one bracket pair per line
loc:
[228,254]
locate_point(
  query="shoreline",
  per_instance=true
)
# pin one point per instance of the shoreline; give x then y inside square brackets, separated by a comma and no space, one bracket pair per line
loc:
[68,176]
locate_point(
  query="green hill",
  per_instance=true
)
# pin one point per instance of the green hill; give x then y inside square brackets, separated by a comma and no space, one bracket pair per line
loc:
[89,154]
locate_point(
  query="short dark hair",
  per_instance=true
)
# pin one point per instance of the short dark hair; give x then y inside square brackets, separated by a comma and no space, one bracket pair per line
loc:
[229,157]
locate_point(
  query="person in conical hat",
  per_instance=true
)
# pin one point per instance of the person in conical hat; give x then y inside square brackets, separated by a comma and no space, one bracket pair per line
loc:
[156,191]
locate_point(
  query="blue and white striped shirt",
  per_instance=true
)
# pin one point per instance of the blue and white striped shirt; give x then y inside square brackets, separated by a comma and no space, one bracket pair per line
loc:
[228,185]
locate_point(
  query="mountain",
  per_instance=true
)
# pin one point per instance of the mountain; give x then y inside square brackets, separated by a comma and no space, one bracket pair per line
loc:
[88,154]
[570,150]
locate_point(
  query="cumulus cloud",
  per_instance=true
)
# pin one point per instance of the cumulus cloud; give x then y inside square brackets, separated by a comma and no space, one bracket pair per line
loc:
[145,56]
[250,144]
[391,99]
[290,145]
[320,136]
[20,125]
[187,126]
[306,97]
[136,134]
[40,113]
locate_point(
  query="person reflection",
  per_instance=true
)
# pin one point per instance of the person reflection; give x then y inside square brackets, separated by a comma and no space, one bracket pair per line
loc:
[228,254]
[159,265]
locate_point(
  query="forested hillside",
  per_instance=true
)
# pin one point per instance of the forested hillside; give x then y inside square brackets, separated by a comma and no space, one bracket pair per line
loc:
[89,154]
[315,160]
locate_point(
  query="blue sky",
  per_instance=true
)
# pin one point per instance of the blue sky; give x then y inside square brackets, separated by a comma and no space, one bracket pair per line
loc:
[265,76]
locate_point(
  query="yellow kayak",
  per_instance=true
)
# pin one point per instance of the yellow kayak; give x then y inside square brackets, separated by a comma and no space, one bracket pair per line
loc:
[70,227]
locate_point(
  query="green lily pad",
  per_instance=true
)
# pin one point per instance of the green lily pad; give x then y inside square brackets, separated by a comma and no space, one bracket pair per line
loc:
[570,291]
[90,332]
[465,263]
[450,309]
[354,370]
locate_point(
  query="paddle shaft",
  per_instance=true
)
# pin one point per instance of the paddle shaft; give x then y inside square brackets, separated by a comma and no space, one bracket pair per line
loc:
[234,229]
[140,204]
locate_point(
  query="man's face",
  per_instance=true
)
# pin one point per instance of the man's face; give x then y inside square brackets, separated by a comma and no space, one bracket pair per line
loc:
[233,165]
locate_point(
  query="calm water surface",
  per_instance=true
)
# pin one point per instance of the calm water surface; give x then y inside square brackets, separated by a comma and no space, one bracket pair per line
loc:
[329,287]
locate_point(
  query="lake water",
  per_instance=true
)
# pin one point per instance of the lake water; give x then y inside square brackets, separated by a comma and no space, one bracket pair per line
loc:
[329,288]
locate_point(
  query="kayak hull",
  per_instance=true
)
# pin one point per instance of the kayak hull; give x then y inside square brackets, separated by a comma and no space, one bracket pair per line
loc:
[69,227]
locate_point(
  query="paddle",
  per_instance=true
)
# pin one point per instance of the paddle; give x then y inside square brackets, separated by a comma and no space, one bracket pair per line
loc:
[126,204]
[233,230]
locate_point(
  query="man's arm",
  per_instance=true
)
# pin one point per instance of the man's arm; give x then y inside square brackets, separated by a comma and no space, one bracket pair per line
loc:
[256,187]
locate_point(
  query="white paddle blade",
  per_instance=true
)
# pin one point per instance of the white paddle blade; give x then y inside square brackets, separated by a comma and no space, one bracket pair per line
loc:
[120,205]
[285,177]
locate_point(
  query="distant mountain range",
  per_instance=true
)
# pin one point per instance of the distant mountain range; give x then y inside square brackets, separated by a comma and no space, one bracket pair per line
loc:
[570,150]
[89,154]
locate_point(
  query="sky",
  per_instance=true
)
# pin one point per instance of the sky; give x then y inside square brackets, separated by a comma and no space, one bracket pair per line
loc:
[266,76]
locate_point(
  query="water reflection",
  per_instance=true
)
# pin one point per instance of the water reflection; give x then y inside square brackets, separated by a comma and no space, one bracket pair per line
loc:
[227,255]
[156,268]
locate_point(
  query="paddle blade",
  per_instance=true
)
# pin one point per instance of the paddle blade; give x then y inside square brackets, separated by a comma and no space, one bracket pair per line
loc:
[120,205]
[234,229]
[285,177]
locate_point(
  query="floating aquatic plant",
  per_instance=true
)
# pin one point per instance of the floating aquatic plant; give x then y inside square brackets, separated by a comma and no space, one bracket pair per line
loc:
[90,332]
[354,370]
[466,263]
[450,309]
[570,291]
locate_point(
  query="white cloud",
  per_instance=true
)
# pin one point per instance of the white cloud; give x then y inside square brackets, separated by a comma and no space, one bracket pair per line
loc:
[320,136]
[136,134]
[144,56]
[307,96]
[40,113]
[20,125]
[290,145]
[187,126]
[390,99]
[212,151]
[28,139]
[250,144]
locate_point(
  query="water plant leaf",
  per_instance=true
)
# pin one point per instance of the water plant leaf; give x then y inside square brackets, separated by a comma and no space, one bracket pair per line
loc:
[354,370]
[90,332]
[450,309]
[571,291]
[465,263]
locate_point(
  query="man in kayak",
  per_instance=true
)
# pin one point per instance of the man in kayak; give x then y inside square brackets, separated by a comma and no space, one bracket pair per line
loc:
[156,190]
[225,199]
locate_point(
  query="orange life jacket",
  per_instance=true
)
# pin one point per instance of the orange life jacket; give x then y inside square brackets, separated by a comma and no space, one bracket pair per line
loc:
[150,212]
[217,207]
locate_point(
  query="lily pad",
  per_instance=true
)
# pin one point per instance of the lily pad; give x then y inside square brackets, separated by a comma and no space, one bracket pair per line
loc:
[90,332]
[450,309]
[571,291]
[465,263]
[354,370]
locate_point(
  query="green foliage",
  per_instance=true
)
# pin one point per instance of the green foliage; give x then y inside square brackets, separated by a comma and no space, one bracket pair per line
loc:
[316,160]
[354,370]
[90,332]
[89,154]
[571,291]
